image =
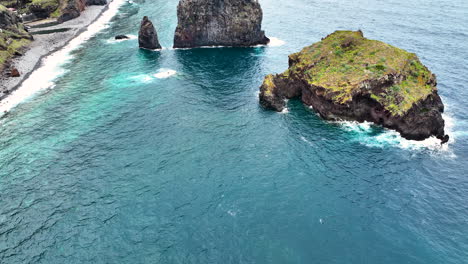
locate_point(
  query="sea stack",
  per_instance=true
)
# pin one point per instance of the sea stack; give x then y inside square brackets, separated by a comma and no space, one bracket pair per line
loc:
[348,77]
[234,23]
[147,37]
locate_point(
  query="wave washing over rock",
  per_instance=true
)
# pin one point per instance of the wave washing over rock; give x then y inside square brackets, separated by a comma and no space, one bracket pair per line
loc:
[219,23]
[348,77]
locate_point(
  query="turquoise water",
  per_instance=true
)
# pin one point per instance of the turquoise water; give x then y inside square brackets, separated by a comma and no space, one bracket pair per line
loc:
[116,165]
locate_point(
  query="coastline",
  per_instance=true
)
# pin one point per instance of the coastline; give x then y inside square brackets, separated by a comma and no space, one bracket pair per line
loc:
[47,44]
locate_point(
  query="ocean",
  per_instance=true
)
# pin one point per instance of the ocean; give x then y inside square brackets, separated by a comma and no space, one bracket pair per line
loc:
[112,154]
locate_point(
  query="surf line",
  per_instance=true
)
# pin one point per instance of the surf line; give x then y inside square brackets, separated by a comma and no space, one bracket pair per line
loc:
[51,66]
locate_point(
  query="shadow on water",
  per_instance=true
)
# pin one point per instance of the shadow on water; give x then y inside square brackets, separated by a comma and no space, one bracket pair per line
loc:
[148,56]
[224,74]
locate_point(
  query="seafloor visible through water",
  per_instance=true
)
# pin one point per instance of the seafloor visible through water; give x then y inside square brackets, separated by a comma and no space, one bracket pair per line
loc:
[133,156]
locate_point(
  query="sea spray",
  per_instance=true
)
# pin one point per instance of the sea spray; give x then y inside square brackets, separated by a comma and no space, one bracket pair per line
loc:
[51,66]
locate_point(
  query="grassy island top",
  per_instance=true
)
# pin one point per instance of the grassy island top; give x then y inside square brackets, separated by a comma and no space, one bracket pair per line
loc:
[344,62]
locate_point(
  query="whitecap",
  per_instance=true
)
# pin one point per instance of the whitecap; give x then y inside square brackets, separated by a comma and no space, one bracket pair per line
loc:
[165,73]
[51,66]
[276,42]
[392,138]
[285,111]
[232,212]
[144,78]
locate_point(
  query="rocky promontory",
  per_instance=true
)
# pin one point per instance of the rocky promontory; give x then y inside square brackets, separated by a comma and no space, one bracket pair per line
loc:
[236,23]
[348,77]
[147,36]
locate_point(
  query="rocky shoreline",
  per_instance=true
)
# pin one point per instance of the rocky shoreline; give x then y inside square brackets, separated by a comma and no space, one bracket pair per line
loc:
[46,44]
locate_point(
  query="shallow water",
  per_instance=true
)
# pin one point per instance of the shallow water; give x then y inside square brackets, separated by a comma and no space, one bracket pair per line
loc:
[135,156]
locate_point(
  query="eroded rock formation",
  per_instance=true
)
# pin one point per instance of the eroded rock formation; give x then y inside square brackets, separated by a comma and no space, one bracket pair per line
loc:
[348,77]
[148,37]
[219,23]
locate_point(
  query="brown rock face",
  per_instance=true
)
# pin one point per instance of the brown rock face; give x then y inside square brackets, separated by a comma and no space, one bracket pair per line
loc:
[72,9]
[148,37]
[14,73]
[234,23]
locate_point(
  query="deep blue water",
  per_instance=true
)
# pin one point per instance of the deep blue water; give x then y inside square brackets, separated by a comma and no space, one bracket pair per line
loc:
[114,165]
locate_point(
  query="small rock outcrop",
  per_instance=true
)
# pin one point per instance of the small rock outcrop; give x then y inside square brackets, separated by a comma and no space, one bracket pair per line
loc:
[119,37]
[14,73]
[348,77]
[96,2]
[148,37]
[235,23]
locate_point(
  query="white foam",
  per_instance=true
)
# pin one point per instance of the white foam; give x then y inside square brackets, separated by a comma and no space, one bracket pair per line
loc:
[51,66]
[285,111]
[165,73]
[393,138]
[276,42]
[113,40]
[144,78]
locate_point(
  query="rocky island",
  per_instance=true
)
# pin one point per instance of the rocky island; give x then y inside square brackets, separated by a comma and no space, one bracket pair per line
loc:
[348,77]
[219,23]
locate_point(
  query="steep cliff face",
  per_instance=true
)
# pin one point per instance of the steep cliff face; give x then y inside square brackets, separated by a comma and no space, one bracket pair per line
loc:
[147,36]
[348,77]
[219,23]
[13,36]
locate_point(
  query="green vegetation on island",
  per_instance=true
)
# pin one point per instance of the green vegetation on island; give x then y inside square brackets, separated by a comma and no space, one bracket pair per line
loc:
[345,61]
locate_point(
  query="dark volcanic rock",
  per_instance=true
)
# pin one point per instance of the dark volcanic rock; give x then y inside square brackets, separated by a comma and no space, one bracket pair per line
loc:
[96,2]
[348,77]
[71,10]
[147,37]
[234,23]
[121,37]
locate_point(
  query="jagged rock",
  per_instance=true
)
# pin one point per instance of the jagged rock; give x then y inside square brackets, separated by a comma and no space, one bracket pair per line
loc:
[72,9]
[148,37]
[348,77]
[121,37]
[219,23]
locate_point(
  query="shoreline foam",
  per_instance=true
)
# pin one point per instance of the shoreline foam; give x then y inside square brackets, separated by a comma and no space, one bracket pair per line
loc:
[41,64]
